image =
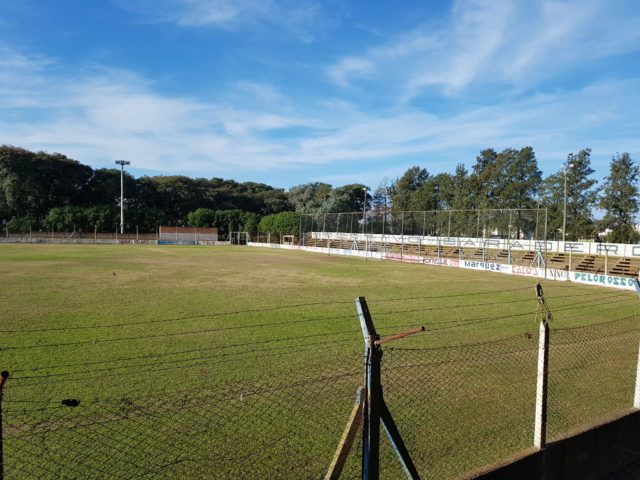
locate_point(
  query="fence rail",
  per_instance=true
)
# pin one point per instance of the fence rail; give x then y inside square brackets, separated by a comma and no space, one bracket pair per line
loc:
[458,407]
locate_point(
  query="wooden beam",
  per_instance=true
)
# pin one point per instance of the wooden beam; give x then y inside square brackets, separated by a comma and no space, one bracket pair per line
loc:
[346,441]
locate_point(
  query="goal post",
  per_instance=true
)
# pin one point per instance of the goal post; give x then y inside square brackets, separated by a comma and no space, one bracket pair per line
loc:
[288,239]
[239,238]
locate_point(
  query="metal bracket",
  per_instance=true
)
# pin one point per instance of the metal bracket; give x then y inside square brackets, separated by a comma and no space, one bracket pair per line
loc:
[547,311]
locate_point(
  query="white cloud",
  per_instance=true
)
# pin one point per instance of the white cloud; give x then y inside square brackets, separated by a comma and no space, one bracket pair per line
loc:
[350,67]
[106,114]
[299,17]
[488,42]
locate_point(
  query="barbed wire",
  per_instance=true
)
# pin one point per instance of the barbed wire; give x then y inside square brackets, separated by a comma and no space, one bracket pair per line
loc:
[220,358]
[158,335]
[240,312]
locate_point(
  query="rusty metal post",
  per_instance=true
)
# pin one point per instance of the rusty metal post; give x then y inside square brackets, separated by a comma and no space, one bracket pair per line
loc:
[375,410]
[371,427]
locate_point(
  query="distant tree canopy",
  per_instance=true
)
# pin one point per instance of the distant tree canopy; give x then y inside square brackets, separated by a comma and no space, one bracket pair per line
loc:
[225,220]
[33,183]
[581,198]
[309,197]
[51,191]
[43,188]
[509,179]
[283,223]
[620,200]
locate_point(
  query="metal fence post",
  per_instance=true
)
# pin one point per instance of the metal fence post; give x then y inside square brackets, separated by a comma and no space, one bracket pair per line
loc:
[540,430]
[570,258]
[540,427]
[375,410]
[300,239]
[371,430]
[3,378]
[402,238]
[636,397]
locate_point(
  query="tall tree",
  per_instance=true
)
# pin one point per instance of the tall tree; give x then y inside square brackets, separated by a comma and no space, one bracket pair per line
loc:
[620,199]
[348,198]
[484,182]
[462,202]
[461,195]
[380,200]
[403,190]
[581,197]
[521,180]
[309,197]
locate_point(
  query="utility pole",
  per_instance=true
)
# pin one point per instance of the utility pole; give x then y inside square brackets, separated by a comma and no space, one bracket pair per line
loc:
[122,163]
[564,217]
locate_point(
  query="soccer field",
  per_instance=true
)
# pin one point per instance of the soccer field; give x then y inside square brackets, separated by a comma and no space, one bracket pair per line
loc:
[240,362]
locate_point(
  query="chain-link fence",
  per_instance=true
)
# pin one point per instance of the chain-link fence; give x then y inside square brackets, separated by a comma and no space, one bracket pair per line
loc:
[592,374]
[482,223]
[462,407]
[281,431]
[7,234]
[459,405]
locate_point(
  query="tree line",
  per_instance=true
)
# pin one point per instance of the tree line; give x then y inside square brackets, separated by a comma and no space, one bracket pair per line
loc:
[43,191]
[511,179]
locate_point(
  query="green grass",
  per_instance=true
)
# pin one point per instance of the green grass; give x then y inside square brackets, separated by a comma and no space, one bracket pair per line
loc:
[243,363]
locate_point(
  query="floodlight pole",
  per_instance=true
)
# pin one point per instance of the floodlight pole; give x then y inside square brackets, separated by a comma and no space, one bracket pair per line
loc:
[564,217]
[364,209]
[122,163]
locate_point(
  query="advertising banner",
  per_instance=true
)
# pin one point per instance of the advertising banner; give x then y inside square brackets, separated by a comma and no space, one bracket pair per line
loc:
[445,262]
[548,274]
[488,266]
[515,245]
[612,281]
[403,258]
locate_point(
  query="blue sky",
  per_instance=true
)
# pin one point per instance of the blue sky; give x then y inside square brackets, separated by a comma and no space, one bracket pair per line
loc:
[286,92]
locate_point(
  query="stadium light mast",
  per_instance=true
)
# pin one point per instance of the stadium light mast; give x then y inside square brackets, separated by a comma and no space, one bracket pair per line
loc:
[122,163]
[567,167]
[364,209]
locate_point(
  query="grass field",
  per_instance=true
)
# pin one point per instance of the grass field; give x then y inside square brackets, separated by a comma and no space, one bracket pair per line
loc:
[243,363]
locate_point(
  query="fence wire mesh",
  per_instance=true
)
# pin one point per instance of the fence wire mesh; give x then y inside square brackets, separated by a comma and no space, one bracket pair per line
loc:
[459,408]
[274,404]
[243,431]
[592,373]
[507,223]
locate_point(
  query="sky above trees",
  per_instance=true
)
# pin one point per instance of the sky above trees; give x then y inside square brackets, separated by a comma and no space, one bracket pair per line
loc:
[286,92]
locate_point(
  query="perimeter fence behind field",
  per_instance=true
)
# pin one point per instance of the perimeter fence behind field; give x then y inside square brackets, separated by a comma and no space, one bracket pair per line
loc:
[513,223]
[459,405]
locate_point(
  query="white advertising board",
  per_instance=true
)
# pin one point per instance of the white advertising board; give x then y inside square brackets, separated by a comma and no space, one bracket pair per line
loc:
[579,248]
[611,281]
